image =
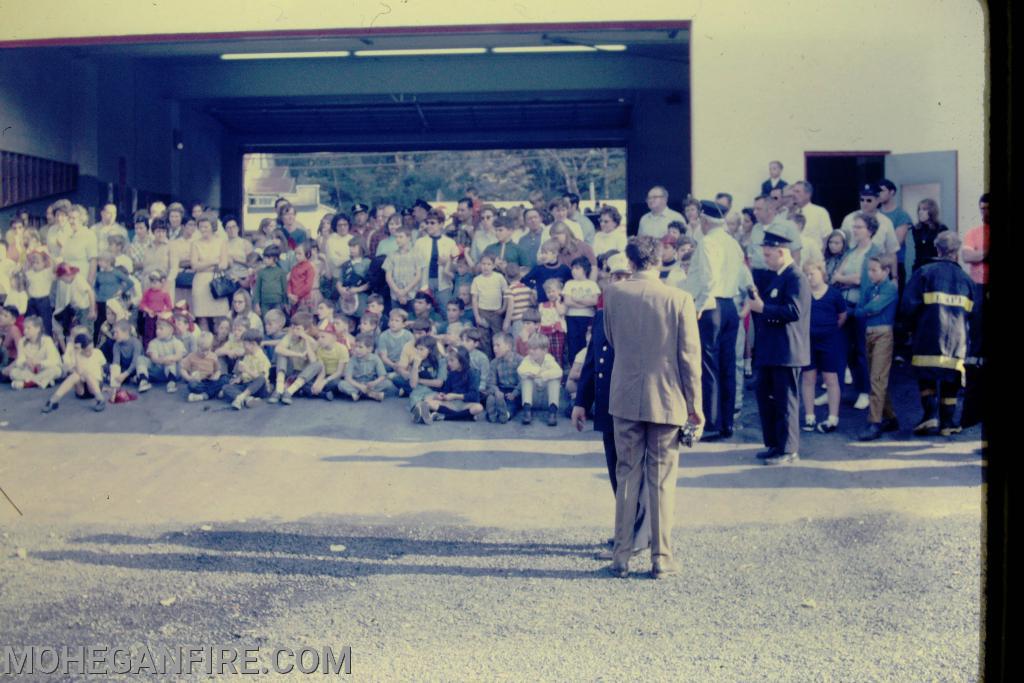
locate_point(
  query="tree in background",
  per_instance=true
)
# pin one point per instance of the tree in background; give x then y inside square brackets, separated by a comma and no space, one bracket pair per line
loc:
[499,175]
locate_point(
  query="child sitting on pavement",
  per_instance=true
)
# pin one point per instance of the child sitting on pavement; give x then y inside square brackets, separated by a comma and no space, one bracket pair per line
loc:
[334,357]
[365,374]
[459,396]
[165,353]
[472,339]
[251,374]
[84,364]
[128,362]
[202,370]
[38,362]
[503,389]
[539,371]
[295,359]
[392,340]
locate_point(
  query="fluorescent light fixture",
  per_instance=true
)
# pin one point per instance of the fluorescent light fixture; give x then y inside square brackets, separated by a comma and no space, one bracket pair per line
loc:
[285,55]
[422,52]
[533,49]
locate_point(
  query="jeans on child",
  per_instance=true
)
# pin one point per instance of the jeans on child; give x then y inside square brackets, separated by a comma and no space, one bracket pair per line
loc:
[254,388]
[387,386]
[159,374]
[210,387]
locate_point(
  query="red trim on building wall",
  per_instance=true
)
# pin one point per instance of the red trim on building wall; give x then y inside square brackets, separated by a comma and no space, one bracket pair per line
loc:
[350,32]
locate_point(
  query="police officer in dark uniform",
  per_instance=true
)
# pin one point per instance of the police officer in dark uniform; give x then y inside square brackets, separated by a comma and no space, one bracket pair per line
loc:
[783,340]
[593,390]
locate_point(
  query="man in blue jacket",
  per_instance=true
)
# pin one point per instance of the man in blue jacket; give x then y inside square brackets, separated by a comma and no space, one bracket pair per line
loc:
[783,332]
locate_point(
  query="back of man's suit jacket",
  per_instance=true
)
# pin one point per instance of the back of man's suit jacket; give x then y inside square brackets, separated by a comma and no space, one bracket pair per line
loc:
[653,329]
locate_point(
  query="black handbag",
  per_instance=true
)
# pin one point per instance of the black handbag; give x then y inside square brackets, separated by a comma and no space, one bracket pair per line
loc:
[184,278]
[221,286]
[329,288]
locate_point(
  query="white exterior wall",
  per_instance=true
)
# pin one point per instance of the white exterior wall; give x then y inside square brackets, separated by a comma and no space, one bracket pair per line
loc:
[769,79]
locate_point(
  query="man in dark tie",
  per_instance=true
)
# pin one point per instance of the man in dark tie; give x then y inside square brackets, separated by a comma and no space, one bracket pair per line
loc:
[783,333]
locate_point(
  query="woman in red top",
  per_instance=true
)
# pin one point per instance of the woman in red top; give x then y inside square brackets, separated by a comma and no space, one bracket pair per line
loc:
[302,281]
[573,248]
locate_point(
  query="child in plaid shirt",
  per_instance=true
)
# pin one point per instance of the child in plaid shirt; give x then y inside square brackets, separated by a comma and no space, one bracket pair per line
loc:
[502,394]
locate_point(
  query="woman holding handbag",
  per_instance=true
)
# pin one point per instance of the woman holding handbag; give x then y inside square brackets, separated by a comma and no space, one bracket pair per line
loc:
[208,257]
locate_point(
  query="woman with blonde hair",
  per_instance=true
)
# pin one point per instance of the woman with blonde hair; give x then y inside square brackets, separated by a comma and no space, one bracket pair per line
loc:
[571,248]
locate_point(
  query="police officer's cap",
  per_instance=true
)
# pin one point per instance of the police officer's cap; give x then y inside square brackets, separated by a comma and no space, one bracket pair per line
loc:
[772,238]
[712,209]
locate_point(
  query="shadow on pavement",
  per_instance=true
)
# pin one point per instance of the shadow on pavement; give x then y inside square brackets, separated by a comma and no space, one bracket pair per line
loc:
[801,476]
[283,553]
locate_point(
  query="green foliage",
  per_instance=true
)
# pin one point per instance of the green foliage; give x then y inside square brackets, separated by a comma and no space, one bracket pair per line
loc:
[498,175]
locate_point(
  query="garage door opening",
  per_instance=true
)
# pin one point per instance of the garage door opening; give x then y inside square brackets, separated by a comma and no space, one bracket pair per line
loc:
[325,182]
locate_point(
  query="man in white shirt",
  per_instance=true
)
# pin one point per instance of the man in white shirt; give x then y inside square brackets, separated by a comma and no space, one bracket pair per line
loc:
[108,226]
[714,279]
[817,222]
[655,222]
[885,237]
[436,253]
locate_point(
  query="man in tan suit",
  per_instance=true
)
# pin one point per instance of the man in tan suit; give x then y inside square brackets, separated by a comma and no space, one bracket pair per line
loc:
[655,390]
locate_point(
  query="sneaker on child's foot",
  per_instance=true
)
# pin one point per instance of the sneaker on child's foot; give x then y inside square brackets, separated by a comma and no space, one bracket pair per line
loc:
[50,407]
[17,384]
[238,403]
[354,395]
[862,402]
[376,395]
[552,415]
[821,400]
[144,386]
[274,397]
[171,387]
[808,423]
[527,416]
[100,405]
[491,409]
[327,394]
[848,377]
[826,427]
[286,399]
[252,401]
[195,398]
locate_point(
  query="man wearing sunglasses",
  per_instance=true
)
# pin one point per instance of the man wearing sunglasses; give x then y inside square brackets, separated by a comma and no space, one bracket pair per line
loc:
[885,238]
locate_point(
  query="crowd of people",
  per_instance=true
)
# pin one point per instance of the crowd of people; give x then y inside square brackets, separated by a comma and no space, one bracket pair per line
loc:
[483,314]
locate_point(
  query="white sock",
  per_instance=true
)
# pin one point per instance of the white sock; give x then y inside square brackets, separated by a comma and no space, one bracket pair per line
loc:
[833,419]
[809,417]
